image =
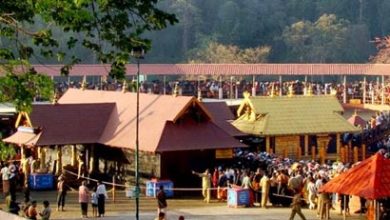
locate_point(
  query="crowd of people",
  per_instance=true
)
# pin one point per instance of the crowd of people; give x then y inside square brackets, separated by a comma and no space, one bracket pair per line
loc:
[280,181]
[12,179]
[234,87]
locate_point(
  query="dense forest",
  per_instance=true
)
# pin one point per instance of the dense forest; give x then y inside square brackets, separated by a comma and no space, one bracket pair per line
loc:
[314,31]
[258,31]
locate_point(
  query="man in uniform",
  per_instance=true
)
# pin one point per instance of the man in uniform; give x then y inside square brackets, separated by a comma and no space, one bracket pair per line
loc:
[206,184]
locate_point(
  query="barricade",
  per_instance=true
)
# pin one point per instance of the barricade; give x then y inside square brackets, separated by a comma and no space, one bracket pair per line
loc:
[41,181]
[153,186]
[237,196]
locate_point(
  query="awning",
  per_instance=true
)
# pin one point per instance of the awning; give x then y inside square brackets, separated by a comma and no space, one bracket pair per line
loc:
[369,179]
[23,138]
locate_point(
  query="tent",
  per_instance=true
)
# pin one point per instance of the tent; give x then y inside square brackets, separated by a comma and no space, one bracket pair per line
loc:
[369,179]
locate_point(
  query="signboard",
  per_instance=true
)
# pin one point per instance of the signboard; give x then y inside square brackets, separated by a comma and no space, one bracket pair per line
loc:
[224,153]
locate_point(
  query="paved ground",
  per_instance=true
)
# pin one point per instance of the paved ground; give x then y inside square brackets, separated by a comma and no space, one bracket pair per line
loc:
[124,208]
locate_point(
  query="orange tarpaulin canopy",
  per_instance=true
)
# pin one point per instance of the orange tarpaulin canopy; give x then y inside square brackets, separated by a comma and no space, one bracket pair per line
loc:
[369,179]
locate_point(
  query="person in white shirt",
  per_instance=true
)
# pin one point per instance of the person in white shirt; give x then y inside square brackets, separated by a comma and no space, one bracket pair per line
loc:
[94,202]
[5,174]
[101,193]
[312,189]
[246,181]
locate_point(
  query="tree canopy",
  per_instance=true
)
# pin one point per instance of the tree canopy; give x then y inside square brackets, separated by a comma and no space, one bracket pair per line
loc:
[46,30]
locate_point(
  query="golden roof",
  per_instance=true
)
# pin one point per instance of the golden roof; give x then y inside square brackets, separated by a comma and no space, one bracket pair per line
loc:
[293,116]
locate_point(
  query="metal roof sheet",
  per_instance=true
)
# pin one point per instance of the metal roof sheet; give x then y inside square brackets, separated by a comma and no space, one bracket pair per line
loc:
[226,69]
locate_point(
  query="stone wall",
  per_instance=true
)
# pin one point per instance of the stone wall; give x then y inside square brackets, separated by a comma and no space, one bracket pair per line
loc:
[149,163]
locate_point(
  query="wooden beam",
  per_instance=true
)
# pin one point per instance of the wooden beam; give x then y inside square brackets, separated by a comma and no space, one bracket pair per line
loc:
[267,144]
[306,145]
[338,144]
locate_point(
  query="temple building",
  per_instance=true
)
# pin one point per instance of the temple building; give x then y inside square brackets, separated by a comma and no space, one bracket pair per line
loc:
[93,127]
[295,126]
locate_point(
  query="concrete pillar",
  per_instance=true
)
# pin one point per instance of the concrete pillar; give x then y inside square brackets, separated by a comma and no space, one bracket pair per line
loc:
[59,160]
[306,145]
[22,152]
[267,144]
[280,86]
[73,161]
[199,90]
[164,85]
[345,90]
[231,88]
[364,90]
[372,94]
[383,91]
[24,162]
[254,86]
[92,159]
[42,158]
[236,91]
[220,88]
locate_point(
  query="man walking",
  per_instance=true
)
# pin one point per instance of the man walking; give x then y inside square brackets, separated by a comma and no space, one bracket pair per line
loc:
[101,193]
[296,206]
[161,201]
[62,188]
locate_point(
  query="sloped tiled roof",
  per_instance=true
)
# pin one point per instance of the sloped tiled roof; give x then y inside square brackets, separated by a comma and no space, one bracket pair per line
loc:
[208,136]
[226,69]
[295,115]
[155,111]
[221,116]
[71,123]
[22,138]
[65,124]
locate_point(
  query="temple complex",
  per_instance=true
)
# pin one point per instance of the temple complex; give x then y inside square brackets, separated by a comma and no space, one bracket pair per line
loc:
[295,126]
[97,130]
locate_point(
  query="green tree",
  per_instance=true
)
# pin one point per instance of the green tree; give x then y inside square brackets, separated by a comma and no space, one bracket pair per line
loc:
[220,53]
[110,29]
[383,54]
[321,41]
[23,88]
[6,151]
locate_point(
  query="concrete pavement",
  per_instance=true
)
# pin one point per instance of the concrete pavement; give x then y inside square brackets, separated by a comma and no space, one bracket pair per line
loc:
[124,208]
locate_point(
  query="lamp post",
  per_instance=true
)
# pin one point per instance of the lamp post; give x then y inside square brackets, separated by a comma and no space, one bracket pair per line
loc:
[138,54]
